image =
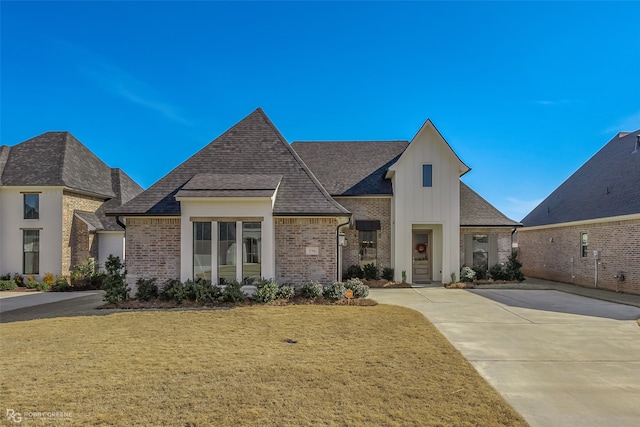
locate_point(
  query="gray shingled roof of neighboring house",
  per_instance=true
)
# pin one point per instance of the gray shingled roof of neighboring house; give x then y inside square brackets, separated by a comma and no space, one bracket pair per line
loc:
[477,212]
[125,189]
[351,168]
[4,154]
[252,146]
[57,159]
[607,185]
[358,169]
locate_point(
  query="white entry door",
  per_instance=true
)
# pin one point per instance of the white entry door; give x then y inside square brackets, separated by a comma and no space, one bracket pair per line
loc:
[421,256]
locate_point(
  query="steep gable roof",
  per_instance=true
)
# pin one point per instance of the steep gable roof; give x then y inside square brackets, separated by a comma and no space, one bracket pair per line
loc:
[252,146]
[4,154]
[124,189]
[56,159]
[607,185]
[348,168]
[475,211]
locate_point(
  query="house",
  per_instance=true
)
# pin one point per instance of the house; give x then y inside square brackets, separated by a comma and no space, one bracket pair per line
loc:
[251,205]
[586,231]
[53,195]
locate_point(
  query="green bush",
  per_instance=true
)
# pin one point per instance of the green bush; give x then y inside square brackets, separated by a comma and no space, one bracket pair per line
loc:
[172,290]
[4,277]
[497,272]
[481,273]
[387,273]
[19,280]
[114,284]
[42,287]
[267,291]
[286,292]
[512,269]
[7,285]
[32,284]
[147,289]
[206,292]
[354,271]
[359,289]
[336,291]
[467,275]
[311,289]
[370,272]
[232,292]
[61,285]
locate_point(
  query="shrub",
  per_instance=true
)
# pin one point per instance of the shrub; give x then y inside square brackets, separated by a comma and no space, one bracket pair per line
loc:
[5,277]
[232,292]
[7,285]
[286,292]
[61,285]
[42,287]
[370,272]
[453,278]
[147,289]
[467,275]
[49,279]
[32,283]
[114,284]
[497,272]
[267,291]
[81,274]
[359,289]
[336,291]
[172,290]
[311,289]
[354,271]
[387,273]
[206,292]
[19,280]
[481,273]
[512,268]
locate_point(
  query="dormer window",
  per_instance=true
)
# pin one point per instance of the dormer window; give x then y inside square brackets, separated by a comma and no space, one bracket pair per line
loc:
[427,175]
[31,205]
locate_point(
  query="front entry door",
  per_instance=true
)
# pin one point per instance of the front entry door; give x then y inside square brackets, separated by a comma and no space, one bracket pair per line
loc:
[421,256]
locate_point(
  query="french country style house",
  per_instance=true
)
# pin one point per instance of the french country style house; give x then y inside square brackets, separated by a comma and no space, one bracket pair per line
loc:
[587,231]
[249,204]
[53,196]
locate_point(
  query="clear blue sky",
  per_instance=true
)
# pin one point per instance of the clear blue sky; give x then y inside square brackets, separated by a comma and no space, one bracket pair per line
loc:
[524,92]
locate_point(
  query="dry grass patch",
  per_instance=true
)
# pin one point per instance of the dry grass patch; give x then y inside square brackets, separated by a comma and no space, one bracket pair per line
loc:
[380,365]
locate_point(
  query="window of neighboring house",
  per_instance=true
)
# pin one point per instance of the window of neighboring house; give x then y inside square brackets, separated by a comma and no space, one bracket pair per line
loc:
[31,251]
[368,246]
[427,175]
[202,250]
[31,206]
[252,250]
[480,248]
[584,244]
[227,253]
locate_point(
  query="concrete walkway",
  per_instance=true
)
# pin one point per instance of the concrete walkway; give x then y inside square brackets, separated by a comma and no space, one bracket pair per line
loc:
[559,359]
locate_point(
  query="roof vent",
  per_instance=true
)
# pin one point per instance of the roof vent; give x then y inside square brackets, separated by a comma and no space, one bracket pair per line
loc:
[637,147]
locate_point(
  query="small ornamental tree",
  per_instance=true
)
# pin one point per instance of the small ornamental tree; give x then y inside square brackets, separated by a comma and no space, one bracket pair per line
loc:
[114,284]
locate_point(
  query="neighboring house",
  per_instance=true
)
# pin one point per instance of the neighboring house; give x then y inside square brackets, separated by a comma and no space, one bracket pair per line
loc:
[53,195]
[587,231]
[251,205]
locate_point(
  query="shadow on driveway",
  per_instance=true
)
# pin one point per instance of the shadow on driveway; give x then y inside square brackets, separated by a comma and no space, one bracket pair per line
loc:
[560,302]
[80,306]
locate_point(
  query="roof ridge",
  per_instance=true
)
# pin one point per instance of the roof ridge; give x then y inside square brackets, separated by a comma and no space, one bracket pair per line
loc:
[65,147]
[304,166]
[354,141]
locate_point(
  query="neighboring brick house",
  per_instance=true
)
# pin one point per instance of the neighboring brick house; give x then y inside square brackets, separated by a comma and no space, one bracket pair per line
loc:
[53,194]
[251,205]
[587,231]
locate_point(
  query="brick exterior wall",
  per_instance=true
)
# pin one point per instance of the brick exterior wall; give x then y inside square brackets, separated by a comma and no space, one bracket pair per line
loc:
[375,208]
[555,254]
[152,247]
[77,244]
[292,237]
[504,241]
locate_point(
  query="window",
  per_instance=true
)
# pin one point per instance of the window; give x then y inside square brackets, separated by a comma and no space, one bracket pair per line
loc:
[31,206]
[31,251]
[368,246]
[480,247]
[251,242]
[202,250]
[427,175]
[227,251]
[584,246]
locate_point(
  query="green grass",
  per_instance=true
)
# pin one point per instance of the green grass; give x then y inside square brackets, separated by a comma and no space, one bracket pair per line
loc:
[369,366]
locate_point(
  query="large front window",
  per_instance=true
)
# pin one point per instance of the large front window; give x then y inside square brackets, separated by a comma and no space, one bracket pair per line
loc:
[480,247]
[368,247]
[227,251]
[252,249]
[30,251]
[202,250]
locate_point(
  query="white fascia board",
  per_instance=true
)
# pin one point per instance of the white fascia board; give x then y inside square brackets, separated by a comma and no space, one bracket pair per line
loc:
[630,217]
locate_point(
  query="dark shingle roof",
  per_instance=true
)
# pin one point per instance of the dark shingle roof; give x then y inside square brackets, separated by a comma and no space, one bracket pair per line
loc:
[56,159]
[252,146]
[4,154]
[125,189]
[90,218]
[607,185]
[477,212]
[351,168]
[230,185]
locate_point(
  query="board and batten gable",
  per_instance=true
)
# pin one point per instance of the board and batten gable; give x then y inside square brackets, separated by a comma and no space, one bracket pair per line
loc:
[435,207]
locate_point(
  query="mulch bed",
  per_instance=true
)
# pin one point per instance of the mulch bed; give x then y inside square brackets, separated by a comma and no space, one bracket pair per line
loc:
[385,284]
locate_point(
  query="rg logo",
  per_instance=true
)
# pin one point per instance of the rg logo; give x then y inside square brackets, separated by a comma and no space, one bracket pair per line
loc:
[14,416]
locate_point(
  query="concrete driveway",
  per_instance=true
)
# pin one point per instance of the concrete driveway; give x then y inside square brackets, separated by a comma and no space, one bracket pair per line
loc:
[18,306]
[558,359]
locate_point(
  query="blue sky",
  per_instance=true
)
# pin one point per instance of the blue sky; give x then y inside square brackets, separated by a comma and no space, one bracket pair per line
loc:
[525,93]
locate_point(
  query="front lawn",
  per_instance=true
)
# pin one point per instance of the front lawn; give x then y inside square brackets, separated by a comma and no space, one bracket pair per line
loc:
[249,366]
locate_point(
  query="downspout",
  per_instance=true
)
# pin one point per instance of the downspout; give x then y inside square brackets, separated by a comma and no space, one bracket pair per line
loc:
[120,223]
[338,247]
